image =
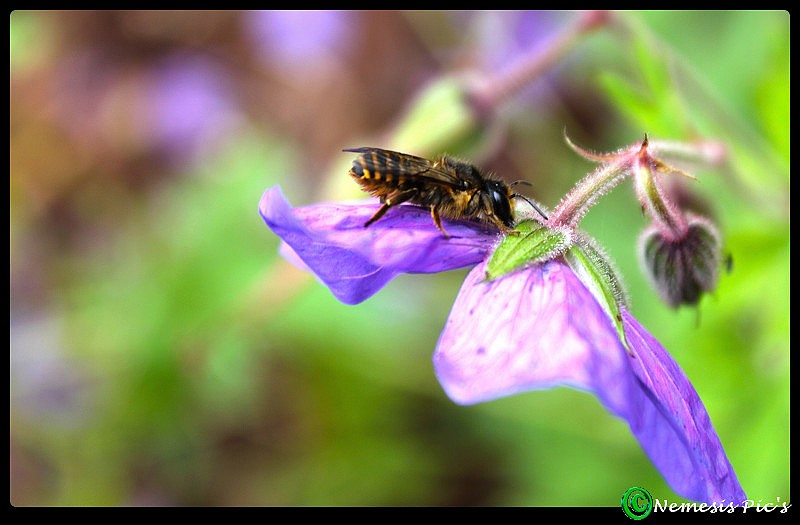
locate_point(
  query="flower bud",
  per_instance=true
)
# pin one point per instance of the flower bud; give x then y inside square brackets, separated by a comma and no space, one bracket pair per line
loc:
[682,269]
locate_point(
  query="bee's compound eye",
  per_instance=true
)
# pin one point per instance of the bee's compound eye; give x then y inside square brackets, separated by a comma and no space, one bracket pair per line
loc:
[501,206]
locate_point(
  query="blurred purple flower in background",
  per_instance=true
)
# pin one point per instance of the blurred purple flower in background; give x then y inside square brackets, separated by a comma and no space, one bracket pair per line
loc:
[506,37]
[300,40]
[190,106]
[532,329]
[179,108]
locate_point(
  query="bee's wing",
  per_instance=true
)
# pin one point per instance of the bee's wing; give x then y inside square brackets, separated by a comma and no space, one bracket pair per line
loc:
[396,163]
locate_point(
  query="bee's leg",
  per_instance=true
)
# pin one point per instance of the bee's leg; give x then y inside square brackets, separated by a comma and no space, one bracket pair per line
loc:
[378,214]
[438,221]
[393,199]
[503,228]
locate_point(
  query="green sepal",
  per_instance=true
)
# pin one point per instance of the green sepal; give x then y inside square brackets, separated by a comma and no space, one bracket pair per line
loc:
[534,244]
[594,269]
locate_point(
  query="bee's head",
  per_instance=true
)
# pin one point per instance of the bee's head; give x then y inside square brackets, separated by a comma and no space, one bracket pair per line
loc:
[500,199]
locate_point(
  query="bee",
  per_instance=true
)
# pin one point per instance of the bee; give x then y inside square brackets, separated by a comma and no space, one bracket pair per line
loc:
[449,187]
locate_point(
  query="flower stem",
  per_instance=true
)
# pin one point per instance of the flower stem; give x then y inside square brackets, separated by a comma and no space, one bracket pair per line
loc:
[490,93]
[585,194]
[664,212]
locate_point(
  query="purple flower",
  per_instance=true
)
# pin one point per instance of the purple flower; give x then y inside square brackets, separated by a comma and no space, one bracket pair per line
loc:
[355,262]
[536,328]
[191,106]
[541,328]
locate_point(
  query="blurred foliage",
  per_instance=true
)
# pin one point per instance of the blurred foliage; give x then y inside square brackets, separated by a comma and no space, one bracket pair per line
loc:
[163,353]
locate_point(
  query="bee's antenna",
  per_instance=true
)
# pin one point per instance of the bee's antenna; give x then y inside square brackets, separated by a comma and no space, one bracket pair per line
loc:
[526,199]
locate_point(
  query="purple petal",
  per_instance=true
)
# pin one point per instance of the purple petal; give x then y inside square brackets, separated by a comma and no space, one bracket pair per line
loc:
[541,328]
[355,262]
[673,426]
[533,329]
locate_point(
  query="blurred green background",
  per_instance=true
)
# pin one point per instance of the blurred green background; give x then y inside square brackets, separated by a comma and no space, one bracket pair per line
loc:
[163,353]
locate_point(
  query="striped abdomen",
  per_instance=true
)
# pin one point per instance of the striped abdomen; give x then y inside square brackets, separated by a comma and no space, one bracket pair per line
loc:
[381,171]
